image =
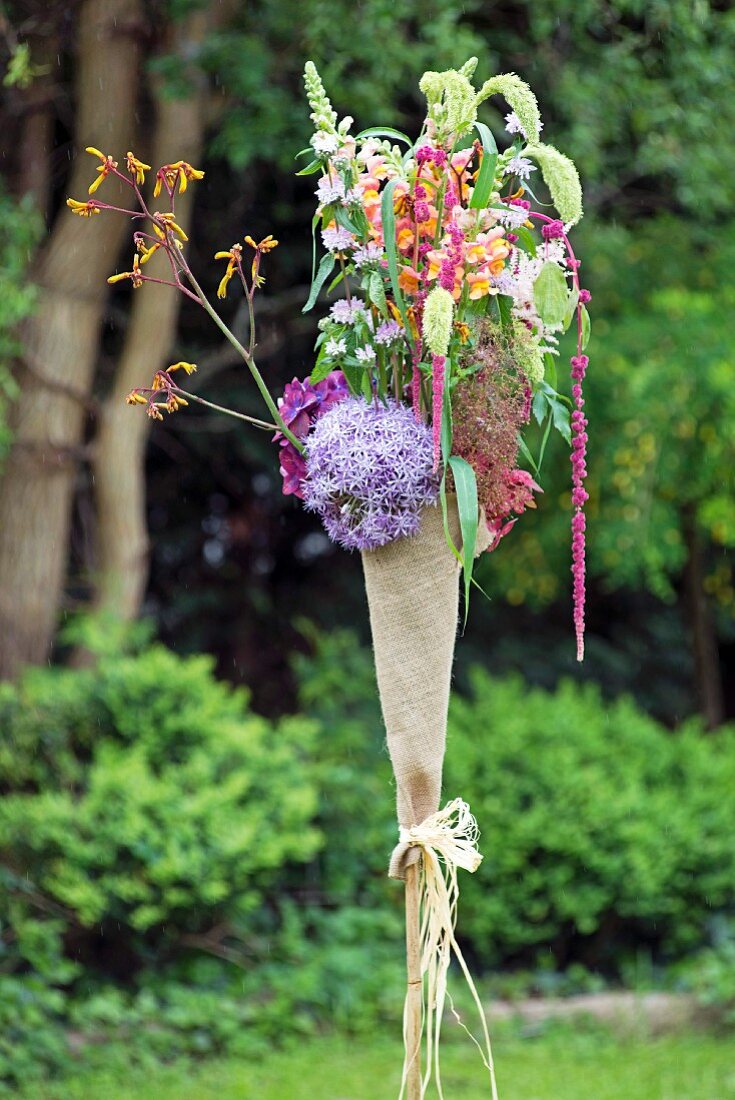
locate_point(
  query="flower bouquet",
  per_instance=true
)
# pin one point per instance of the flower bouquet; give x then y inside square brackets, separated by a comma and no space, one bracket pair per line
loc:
[409,437]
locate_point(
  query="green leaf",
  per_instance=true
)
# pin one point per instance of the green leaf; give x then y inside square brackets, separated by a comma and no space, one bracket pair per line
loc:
[544,441]
[550,375]
[335,281]
[342,218]
[539,406]
[571,307]
[384,131]
[550,293]
[325,270]
[527,454]
[314,166]
[560,413]
[389,236]
[324,366]
[505,305]
[367,386]
[314,223]
[526,238]
[376,290]
[466,486]
[484,183]
[354,375]
[586,327]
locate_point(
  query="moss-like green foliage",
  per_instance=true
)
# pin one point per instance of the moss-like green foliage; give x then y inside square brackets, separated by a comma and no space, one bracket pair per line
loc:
[519,97]
[527,353]
[561,178]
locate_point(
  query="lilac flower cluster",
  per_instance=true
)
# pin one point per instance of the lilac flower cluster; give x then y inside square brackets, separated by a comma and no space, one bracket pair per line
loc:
[301,406]
[337,239]
[346,311]
[367,254]
[369,473]
[387,332]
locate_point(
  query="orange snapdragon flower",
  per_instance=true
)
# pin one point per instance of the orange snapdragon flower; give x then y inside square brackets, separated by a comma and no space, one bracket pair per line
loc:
[479,284]
[409,280]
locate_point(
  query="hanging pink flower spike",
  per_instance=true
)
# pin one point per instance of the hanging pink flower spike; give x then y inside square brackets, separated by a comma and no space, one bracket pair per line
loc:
[553,229]
[438,363]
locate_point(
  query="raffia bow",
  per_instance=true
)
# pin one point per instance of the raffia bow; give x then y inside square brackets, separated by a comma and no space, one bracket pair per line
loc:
[447,840]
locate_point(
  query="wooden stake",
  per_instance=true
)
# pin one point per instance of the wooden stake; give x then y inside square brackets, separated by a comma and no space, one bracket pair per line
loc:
[413,974]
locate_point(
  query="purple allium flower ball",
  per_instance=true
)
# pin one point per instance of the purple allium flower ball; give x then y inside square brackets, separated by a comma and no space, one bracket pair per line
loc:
[370,472]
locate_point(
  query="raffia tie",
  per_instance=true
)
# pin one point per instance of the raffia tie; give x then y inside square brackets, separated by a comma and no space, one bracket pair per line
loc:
[448,840]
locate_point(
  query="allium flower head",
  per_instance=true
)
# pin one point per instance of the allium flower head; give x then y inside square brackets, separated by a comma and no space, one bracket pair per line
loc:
[369,473]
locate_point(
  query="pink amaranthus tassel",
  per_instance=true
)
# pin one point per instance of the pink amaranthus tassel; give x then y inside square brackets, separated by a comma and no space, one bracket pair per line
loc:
[552,228]
[416,386]
[579,497]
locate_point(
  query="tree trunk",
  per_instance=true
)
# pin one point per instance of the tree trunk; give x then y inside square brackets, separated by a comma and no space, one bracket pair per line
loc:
[707,672]
[121,564]
[36,141]
[61,343]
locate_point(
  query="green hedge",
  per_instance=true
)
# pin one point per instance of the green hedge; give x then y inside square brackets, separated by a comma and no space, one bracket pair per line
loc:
[602,831]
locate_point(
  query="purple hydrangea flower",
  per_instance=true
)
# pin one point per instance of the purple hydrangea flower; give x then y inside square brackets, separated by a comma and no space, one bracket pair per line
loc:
[369,473]
[301,405]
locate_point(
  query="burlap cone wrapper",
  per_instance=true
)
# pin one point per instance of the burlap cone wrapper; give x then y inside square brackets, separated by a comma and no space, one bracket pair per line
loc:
[413,595]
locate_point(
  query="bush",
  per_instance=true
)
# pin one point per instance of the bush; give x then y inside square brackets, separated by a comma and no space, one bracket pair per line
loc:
[146,816]
[601,829]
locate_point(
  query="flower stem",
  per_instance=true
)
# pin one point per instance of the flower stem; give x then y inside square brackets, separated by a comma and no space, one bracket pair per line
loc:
[263,424]
[264,393]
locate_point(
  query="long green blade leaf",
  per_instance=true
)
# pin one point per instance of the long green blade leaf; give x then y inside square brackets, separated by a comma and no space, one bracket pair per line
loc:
[325,270]
[389,236]
[384,131]
[466,485]
[484,182]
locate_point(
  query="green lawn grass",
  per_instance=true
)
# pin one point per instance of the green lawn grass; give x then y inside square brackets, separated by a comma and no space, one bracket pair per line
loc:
[571,1065]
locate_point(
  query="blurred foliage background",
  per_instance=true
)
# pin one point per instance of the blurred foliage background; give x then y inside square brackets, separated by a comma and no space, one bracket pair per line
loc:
[136,781]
